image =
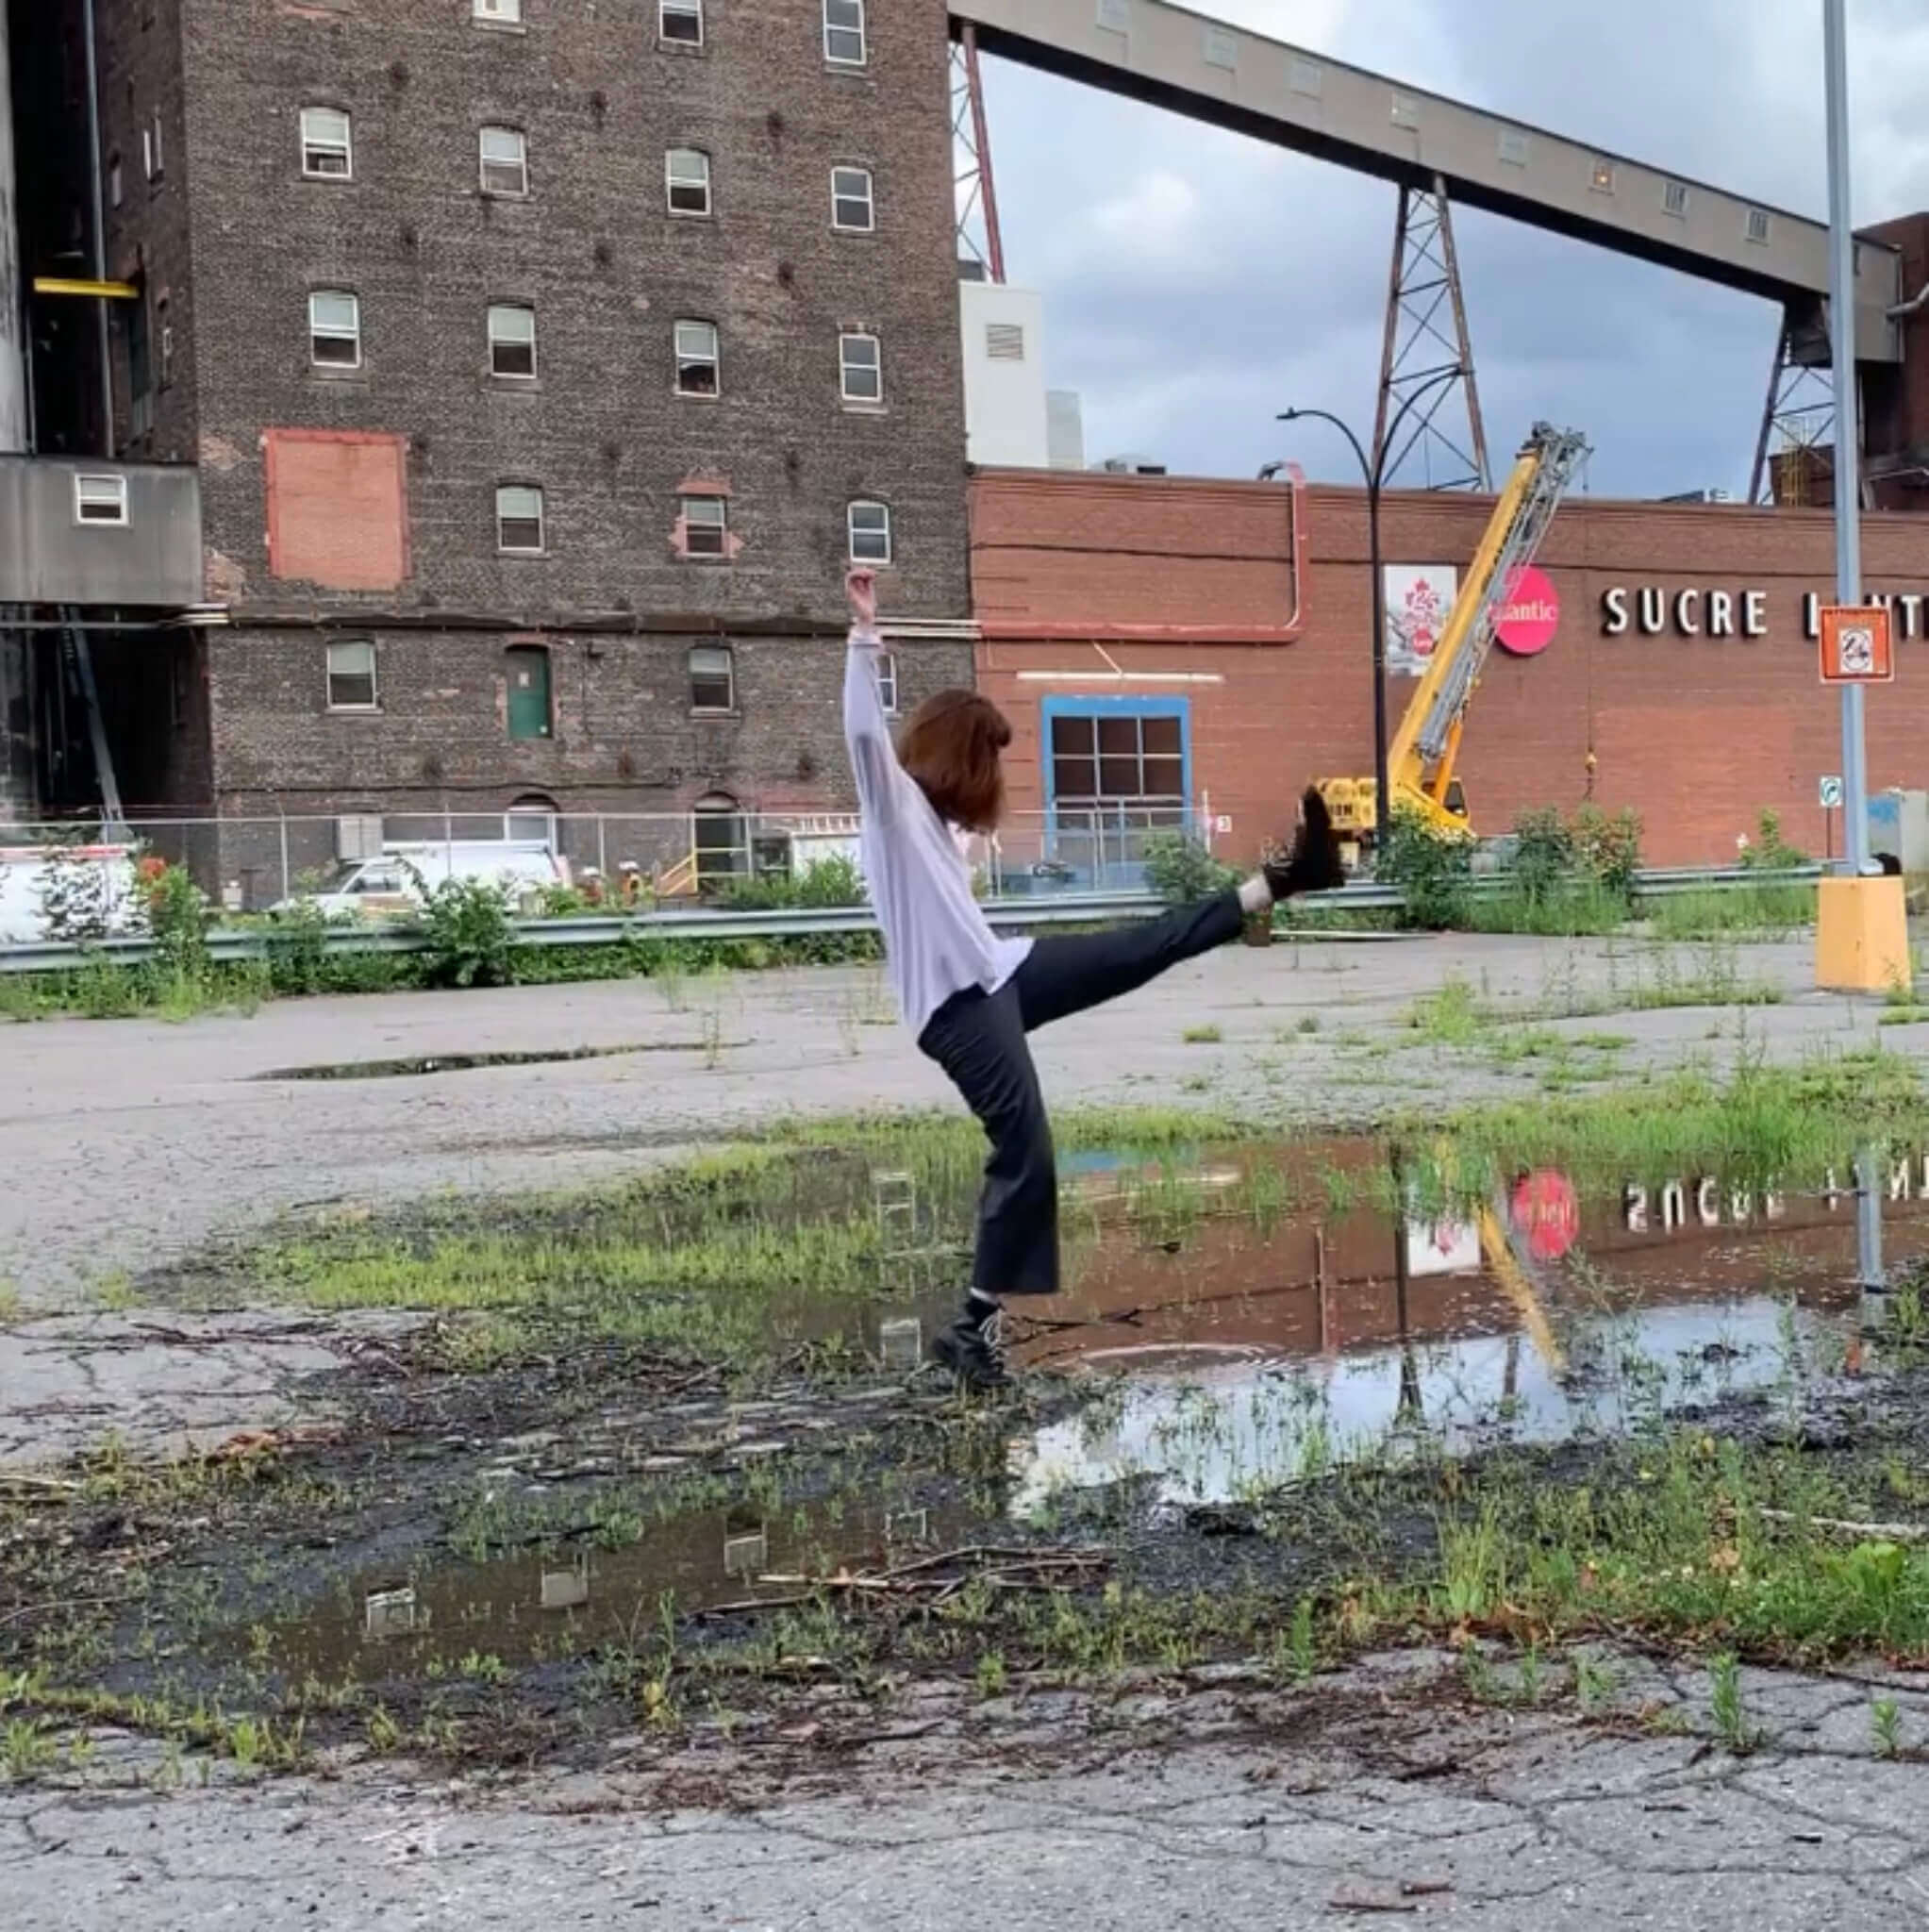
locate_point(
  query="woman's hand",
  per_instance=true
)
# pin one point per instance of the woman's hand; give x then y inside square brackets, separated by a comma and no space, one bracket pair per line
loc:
[861,586]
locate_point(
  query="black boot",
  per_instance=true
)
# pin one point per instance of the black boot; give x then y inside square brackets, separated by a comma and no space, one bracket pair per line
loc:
[1313,864]
[973,1348]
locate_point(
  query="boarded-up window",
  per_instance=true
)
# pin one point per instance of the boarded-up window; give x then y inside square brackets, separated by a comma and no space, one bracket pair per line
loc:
[337,508]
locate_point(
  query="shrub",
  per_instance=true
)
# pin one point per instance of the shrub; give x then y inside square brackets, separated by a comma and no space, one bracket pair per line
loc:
[1769,851]
[1607,847]
[177,914]
[469,932]
[1543,854]
[1431,868]
[1181,870]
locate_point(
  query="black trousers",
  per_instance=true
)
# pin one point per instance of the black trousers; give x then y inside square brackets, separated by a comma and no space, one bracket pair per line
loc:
[979,1039]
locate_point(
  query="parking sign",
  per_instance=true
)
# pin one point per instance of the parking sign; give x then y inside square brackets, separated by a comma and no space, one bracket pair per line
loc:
[1831,795]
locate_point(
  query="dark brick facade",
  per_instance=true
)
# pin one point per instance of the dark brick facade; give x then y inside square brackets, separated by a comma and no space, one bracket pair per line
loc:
[238,240]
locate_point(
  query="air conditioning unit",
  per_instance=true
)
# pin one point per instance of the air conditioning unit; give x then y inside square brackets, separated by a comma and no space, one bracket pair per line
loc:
[358,836]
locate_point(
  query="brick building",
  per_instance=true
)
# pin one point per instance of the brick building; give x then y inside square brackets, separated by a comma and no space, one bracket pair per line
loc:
[544,366]
[1169,646]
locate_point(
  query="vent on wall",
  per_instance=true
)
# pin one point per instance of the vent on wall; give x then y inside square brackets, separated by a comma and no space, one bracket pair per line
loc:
[1005,341]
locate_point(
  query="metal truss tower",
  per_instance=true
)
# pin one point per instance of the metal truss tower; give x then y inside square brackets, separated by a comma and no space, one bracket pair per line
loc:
[979,239]
[1426,340]
[1794,459]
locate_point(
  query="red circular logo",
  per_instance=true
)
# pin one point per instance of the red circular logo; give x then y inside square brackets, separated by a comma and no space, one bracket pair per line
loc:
[1548,1213]
[1531,614]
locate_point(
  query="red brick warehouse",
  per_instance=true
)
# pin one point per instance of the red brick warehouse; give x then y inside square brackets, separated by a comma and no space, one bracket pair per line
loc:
[1146,633]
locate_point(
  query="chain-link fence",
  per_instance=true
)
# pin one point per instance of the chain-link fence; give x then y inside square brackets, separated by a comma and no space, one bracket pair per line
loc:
[251,863]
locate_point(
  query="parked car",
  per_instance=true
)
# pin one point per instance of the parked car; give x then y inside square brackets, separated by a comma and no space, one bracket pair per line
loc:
[397,884]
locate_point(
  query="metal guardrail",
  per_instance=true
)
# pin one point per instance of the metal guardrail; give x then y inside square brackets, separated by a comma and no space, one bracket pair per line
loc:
[228,943]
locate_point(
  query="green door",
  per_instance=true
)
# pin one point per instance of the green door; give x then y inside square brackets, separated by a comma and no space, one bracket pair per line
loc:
[528,691]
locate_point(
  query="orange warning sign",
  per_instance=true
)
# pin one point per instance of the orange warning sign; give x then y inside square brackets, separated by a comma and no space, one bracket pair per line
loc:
[1857,644]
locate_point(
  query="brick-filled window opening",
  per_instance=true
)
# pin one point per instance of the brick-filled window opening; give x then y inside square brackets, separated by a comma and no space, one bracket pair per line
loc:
[512,341]
[887,682]
[529,714]
[860,363]
[712,678]
[100,499]
[327,144]
[1103,761]
[504,162]
[498,12]
[519,530]
[869,529]
[706,526]
[681,22]
[687,176]
[351,676]
[335,329]
[853,201]
[698,359]
[844,41]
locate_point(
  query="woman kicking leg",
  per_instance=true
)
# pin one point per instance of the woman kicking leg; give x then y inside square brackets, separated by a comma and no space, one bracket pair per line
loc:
[971,998]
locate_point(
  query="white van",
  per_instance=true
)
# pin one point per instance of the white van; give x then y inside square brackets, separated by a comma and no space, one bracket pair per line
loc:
[395,885]
[24,873]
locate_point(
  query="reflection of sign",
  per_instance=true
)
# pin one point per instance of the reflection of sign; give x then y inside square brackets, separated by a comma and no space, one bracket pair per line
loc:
[1547,1212]
[1831,795]
[392,1614]
[1531,614]
[1419,598]
[1442,1247]
[1858,646]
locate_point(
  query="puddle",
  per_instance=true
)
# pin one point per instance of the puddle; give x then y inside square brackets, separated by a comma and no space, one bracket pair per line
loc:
[467,1062]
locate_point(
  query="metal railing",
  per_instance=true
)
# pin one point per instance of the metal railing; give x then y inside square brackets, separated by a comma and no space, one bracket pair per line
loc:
[1025,914]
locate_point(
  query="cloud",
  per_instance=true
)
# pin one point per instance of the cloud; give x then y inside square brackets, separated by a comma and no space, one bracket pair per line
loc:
[1197,283]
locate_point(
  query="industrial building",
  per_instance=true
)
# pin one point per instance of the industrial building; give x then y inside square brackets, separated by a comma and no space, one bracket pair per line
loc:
[513,383]
[449,417]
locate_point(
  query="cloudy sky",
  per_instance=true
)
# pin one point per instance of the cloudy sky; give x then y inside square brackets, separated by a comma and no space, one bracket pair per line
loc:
[1197,283]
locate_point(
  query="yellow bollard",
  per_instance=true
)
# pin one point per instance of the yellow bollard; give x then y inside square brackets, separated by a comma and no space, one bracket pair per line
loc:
[1862,936]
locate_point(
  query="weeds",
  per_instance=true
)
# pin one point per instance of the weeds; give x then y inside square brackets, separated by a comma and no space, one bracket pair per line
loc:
[1201,1036]
[1885,1727]
[1725,1704]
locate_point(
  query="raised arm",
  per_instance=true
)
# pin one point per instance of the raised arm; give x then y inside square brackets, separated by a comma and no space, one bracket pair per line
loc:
[867,731]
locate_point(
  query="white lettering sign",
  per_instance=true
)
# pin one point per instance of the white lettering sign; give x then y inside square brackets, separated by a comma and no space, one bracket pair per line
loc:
[1653,611]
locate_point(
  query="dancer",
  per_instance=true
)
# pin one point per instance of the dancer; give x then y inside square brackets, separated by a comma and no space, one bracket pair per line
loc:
[969,997]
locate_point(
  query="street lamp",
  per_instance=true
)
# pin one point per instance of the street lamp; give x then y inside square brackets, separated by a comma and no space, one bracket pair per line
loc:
[1374,473]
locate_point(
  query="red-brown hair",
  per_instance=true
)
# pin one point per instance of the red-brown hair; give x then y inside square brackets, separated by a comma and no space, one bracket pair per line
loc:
[951,746]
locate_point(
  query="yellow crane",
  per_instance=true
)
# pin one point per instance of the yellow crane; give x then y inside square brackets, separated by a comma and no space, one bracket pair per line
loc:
[1421,759]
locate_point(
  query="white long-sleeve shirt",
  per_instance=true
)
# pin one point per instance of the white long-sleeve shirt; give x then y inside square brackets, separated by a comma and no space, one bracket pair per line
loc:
[936,941]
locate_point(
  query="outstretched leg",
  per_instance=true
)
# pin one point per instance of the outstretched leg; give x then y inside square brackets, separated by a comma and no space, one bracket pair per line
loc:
[1067,973]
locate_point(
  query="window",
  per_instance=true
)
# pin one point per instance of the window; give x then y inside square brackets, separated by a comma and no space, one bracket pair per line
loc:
[1512,147]
[852,204]
[1101,758]
[843,33]
[100,499]
[712,678]
[164,340]
[504,162]
[1005,341]
[681,22]
[1674,197]
[114,180]
[352,676]
[719,836]
[1757,228]
[887,682]
[499,13]
[1600,178]
[140,368]
[153,159]
[511,340]
[696,358]
[860,362]
[686,172]
[706,526]
[335,329]
[528,682]
[870,525]
[518,520]
[532,821]
[328,149]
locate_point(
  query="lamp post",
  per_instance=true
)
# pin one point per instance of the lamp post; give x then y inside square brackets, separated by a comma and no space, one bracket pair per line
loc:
[1374,473]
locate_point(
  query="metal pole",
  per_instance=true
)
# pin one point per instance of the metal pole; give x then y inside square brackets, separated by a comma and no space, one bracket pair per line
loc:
[1868,1221]
[12,323]
[1848,416]
[1383,803]
[981,137]
[1462,335]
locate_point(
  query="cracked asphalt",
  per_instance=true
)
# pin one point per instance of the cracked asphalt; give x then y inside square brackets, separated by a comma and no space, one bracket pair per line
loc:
[1223,1804]
[1418,1805]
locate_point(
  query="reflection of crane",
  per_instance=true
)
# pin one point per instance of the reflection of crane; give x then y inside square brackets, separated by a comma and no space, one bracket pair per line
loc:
[1422,758]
